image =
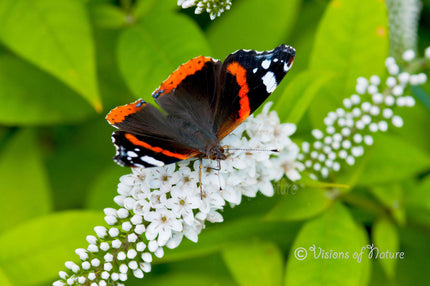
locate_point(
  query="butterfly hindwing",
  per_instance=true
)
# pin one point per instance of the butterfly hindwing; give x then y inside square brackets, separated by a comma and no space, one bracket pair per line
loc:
[145,151]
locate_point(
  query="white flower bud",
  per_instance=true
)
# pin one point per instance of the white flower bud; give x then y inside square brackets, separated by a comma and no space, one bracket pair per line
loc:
[387,113]
[383,126]
[389,100]
[391,81]
[397,121]
[91,276]
[350,160]
[123,268]
[108,266]
[377,98]
[123,276]
[114,276]
[131,254]
[336,166]
[110,219]
[139,229]
[121,255]
[86,265]
[372,89]
[317,134]
[92,248]
[375,80]
[82,253]
[373,127]
[133,265]
[317,166]
[368,140]
[404,78]
[100,231]
[390,61]
[122,213]
[91,239]
[427,52]
[408,55]
[147,257]
[357,138]
[305,147]
[159,252]
[95,262]
[330,129]
[136,219]
[343,154]
[116,243]
[397,90]
[108,257]
[347,103]
[138,273]
[113,232]
[355,99]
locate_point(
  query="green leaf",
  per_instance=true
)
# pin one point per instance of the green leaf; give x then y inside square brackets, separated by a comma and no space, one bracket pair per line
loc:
[391,195]
[249,25]
[216,237]
[104,188]
[352,40]
[417,202]
[55,36]
[23,178]
[299,94]
[30,96]
[333,232]
[147,54]
[301,204]
[183,279]
[264,258]
[107,16]
[385,237]
[4,280]
[393,159]
[34,252]
[413,269]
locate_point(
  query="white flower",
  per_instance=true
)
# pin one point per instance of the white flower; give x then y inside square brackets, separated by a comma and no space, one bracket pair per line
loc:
[214,7]
[162,222]
[183,202]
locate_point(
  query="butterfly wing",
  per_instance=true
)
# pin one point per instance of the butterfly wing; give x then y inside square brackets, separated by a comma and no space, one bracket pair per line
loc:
[189,96]
[247,78]
[145,137]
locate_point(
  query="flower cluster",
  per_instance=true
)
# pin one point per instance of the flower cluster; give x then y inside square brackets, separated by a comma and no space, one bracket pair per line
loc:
[214,7]
[372,109]
[159,206]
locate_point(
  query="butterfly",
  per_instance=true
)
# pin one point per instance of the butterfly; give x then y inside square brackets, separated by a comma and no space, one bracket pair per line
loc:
[203,101]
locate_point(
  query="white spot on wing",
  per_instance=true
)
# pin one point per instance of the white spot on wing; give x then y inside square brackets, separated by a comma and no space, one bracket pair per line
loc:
[152,161]
[286,67]
[255,70]
[132,154]
[266,64]
[269,81]
[275,60]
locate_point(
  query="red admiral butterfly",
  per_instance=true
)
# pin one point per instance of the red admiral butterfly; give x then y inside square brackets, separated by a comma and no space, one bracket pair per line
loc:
[204,100]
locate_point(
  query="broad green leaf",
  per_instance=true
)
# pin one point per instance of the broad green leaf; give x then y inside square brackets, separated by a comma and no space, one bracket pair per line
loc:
[104,188]
[413,269]
[105,15]
[183,279]
[299,94]
[352,40]
[113,89]
[216,237]
[250,25]
[55,36]
[25,190]
[78,155]
[34,252]
[30,96]
[153,48]
[4,280]
[391,196]
[393,159]
[338,235]
[385,237]
[417,202]
[301,204]
[264,258]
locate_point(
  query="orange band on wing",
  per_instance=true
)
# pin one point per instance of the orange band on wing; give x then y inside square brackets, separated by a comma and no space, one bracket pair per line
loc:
[138,142]
[118,114]
[240,73]
[189,68]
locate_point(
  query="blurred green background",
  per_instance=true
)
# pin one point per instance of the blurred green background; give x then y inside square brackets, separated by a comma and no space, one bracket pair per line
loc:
[65,63]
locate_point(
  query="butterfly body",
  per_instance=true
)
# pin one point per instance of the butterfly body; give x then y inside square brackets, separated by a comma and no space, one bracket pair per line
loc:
[202,101]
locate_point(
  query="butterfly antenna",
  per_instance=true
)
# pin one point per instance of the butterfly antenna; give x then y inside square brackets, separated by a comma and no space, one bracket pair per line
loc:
[219,177]
[252,150]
